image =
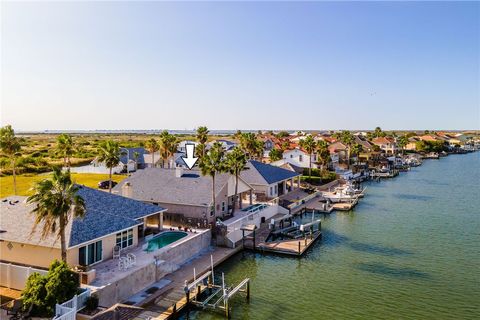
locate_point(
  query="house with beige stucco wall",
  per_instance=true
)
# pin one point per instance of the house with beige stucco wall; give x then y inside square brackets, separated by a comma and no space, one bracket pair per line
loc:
[110,220]
[186,194]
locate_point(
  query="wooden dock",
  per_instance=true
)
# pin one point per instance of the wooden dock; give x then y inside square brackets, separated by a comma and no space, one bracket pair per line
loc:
[344,206]
[178,303]
[293,247]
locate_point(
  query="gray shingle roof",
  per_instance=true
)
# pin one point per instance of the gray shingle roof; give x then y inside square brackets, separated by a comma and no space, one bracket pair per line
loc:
[161,185]
[105,214]
[263,174]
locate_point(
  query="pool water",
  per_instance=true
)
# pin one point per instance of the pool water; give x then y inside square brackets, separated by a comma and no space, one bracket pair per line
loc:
[164,239]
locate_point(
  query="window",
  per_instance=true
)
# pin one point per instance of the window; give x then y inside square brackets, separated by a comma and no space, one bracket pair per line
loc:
[300,158]
[124,239]
[90,254]
[291,156]
[276,189]
[271,191]
[223,206]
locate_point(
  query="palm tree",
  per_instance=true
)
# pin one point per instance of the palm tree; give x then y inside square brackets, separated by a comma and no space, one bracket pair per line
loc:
[309,144]
[347,138]
[356,149]
[202,137]
[152,146]
[65,148]
[10,147]
[56,202]
[235,162]
[211,164]
[168,146]
[402,143]
[275,154]
[163,147]
[251,145]
[136,155]
[109,153]
[323,154]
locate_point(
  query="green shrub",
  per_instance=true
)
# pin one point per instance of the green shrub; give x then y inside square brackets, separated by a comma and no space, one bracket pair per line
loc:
[91,303]
[315,172]
[60,284]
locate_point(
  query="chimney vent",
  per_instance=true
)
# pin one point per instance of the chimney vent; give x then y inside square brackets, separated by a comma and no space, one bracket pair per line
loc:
[178,172]
[127,190]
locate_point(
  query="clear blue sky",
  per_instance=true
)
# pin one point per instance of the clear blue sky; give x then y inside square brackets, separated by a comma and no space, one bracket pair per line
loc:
[341,65]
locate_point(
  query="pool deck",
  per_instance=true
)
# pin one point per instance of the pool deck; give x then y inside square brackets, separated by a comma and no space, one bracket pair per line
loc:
[107,271]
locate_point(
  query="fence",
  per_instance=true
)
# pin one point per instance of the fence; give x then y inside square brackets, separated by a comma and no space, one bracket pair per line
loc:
[14,276]
[68,309]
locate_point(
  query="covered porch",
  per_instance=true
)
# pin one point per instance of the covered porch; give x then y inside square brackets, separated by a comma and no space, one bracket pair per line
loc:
[288,185]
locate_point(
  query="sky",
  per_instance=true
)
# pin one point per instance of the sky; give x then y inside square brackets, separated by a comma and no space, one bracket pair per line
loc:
[255,65]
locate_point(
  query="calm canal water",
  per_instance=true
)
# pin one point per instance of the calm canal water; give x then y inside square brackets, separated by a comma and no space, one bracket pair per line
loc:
[409,250]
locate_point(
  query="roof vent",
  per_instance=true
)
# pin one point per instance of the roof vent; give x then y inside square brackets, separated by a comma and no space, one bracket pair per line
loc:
[178,172]
[127,190]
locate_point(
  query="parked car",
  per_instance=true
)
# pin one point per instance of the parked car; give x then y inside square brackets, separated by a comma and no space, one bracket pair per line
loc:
[105,184]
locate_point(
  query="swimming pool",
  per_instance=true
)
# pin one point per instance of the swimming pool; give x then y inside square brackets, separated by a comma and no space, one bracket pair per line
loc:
[164,239]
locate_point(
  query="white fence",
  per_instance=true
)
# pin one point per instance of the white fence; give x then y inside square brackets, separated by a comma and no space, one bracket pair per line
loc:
[68,309]
[14,276]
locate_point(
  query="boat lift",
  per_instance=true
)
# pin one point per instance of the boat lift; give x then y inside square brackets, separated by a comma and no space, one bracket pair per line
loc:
[218,295]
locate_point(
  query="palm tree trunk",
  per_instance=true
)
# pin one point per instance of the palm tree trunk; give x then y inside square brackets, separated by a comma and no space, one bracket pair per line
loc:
[213,196]
[110,181]
[14,177]
[153,159]
[310,166]
[235,198]
[63,246]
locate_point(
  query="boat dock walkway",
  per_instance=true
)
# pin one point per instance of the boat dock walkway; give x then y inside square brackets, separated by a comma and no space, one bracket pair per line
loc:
[294,247]
[166,303]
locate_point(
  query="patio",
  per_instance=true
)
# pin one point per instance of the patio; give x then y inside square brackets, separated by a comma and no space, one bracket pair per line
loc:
[107,272]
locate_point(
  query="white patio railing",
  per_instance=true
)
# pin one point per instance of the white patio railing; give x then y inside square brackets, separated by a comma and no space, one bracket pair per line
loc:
[300,202]
[68,309]
[265,209]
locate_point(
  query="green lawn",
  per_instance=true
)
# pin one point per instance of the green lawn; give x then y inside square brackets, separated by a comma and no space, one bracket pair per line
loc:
[26,181]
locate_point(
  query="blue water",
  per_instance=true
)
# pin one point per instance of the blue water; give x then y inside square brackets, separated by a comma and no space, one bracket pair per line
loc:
[164,239]
[409,250]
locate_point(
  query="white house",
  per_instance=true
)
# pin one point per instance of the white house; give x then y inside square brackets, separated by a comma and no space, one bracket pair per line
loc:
[300,158]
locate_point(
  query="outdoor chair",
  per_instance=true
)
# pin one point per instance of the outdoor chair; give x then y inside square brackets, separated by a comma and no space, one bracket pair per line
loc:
[123,263]
[116,252]
[132,259]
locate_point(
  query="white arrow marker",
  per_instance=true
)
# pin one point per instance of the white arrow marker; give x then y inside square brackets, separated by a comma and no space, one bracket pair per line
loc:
[190,159]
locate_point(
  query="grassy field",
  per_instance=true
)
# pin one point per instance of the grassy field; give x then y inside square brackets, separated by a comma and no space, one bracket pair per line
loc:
[26,181]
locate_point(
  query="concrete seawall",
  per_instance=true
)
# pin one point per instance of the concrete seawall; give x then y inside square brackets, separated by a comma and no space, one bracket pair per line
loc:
[167,260]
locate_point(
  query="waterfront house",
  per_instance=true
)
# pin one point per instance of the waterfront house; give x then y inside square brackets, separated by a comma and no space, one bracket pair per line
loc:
[269,181]
[366,146]
[110,220]
[386,144]
[340,149]
[185,193]
[298,157]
